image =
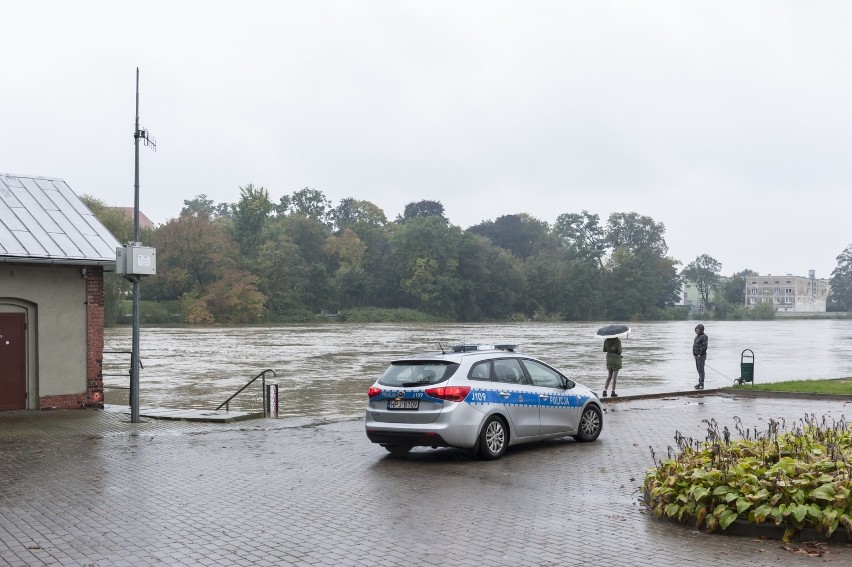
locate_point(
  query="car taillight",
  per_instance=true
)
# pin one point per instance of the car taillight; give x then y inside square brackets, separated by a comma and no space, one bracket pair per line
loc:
[373,392]
[449,393]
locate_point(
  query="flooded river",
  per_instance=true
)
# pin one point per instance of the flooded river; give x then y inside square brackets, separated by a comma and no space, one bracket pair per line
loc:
[325,370]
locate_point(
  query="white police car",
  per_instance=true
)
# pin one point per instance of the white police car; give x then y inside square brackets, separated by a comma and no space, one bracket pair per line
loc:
[478,397]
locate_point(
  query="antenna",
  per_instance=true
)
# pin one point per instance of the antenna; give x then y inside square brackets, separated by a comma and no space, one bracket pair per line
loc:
[135,363]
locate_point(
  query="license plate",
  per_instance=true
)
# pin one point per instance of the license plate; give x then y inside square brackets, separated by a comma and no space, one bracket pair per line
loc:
[403,404]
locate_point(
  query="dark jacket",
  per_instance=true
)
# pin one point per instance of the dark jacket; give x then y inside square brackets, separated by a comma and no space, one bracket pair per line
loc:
[612,348]
[699,345]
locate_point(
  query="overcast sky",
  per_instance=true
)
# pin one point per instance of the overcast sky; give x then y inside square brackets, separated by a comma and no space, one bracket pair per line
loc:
[729,122]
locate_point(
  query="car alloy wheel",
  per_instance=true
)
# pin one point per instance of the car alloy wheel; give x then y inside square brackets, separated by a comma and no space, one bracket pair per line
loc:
[494,439]
[591,423]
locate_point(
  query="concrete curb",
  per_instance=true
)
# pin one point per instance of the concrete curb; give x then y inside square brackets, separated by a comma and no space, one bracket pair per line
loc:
[746,393]
[728,393]
[657,395]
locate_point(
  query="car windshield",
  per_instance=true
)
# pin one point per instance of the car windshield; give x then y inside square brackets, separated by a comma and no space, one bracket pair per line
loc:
[408,373]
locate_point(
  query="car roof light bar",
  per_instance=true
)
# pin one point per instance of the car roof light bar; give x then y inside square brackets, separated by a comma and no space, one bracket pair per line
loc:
[471,348]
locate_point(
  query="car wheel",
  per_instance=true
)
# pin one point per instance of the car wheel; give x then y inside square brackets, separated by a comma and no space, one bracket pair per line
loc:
[397,450]
[493,439]
[591,424]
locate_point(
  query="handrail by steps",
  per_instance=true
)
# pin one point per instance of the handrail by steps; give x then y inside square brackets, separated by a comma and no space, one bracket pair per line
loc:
[262,377]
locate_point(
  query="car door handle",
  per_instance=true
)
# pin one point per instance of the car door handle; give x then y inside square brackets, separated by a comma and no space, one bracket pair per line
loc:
[543,396]
[504,394]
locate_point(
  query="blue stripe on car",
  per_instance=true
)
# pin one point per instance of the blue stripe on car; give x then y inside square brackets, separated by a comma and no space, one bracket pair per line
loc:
[478,397]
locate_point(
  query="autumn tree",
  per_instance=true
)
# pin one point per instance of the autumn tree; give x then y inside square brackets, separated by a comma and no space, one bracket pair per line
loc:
[233,298]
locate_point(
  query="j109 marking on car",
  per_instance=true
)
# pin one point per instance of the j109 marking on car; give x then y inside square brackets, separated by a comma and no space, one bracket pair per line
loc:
[478,397]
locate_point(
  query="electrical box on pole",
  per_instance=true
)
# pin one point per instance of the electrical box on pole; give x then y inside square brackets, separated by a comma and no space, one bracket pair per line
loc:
[136,260]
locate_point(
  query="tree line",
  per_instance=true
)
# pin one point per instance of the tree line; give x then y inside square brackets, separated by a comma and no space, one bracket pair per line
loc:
[257,260]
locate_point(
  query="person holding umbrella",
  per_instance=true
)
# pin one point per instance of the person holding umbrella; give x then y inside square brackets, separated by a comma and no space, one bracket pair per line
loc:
[612,348]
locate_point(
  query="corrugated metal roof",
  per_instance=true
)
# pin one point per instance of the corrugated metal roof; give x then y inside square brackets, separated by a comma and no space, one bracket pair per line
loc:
[43,220]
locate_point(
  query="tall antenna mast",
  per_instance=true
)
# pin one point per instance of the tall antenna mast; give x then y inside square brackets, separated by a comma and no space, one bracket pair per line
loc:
[134,275]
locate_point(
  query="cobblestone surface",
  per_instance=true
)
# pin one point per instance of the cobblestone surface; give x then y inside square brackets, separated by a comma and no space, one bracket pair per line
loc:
[87,487]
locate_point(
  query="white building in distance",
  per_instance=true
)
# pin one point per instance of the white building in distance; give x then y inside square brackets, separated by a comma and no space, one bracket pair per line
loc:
[788,293]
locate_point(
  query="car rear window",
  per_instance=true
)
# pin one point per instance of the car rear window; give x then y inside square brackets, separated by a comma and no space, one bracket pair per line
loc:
[408,374]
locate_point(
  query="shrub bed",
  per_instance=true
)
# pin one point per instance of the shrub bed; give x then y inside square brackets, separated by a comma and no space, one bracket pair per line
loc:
[797,478]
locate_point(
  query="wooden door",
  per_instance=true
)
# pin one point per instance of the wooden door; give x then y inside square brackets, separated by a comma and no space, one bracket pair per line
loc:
[13,367]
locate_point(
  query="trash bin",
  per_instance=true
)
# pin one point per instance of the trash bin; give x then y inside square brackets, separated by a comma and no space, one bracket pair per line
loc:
[746,367]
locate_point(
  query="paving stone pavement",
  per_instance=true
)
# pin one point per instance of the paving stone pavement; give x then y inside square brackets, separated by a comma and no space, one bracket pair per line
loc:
[88,488]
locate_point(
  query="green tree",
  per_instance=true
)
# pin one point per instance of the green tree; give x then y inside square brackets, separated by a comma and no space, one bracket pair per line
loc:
[351,280]
[308,202]
[522,234]
[636,232]
[840,283]
[250,216]
[283,275]
[309,235]
[491,280]
[640,285]
[733,288]
[562,284]
[352,212]
[640,280]
[703,272]
[583,234]
[426,258]
[423,209]
[200,205]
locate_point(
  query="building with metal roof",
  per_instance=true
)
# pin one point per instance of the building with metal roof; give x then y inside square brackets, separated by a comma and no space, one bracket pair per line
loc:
[53,253]
[43,220]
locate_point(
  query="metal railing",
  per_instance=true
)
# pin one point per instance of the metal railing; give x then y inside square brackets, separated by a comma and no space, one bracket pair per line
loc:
[103,374]
[262,377]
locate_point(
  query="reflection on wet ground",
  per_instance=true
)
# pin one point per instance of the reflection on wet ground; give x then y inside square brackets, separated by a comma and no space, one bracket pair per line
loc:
[325,370]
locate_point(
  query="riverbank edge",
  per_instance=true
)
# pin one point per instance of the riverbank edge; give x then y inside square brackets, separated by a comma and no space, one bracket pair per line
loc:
[729,392]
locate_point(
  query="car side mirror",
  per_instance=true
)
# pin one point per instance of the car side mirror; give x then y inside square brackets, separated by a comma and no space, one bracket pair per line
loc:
[566,383]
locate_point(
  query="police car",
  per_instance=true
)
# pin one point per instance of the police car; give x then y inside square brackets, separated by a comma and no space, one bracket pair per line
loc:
[483,398]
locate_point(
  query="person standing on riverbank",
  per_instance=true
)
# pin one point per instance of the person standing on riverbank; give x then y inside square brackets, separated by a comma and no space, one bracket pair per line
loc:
[612,348]
[699,351]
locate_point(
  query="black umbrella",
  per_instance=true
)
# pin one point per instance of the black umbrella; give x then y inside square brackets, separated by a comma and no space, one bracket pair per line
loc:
[613,331]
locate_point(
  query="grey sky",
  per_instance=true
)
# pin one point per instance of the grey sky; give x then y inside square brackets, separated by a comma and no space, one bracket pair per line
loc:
[727,121]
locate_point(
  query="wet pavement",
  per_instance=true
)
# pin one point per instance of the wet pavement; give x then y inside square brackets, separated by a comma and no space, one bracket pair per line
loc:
[87,487]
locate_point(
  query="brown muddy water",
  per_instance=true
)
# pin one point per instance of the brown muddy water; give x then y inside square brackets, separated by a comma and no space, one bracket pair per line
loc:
[325,370]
